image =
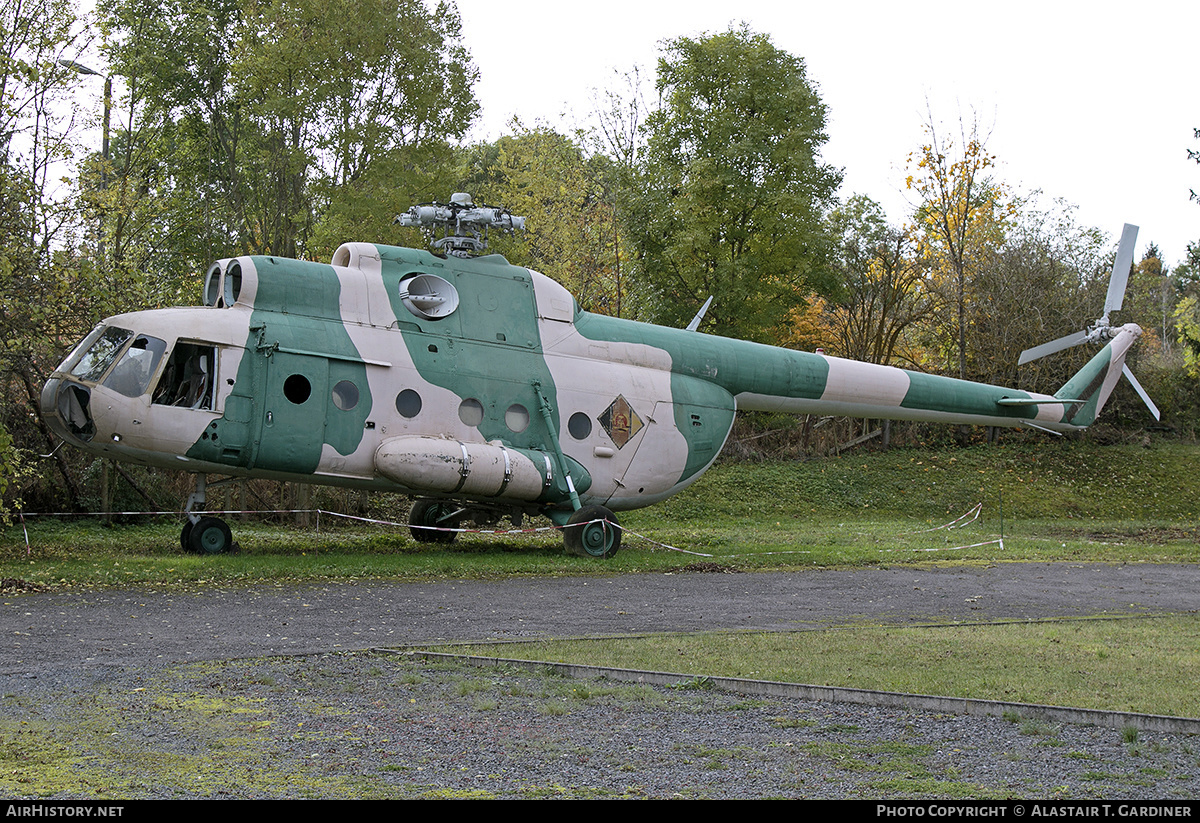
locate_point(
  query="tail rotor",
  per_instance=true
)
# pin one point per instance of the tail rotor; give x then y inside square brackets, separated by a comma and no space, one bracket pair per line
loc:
[1101,331]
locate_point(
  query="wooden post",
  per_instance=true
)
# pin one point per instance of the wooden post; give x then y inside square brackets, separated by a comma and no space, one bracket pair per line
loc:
[105,492]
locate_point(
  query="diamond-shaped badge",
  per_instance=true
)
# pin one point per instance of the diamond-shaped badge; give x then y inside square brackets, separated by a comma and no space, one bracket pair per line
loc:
[620,421]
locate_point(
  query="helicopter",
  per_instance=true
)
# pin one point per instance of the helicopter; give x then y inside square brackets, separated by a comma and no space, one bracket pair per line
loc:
[477,387]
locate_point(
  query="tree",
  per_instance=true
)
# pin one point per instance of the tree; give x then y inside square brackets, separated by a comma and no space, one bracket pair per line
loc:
[48,287]
[619,138]
[1187,325]
[571,230]
[1034,286]
[620,116]
[370,109]
[884,289]
[961,213]
[730,190]
[1187,273]
[239,124]
[1150,298]
[311,117]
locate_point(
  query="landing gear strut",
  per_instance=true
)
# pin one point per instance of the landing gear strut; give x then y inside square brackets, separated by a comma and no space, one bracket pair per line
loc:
[202,534]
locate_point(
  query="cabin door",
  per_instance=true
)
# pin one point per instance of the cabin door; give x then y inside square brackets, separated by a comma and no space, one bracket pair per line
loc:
[293,413]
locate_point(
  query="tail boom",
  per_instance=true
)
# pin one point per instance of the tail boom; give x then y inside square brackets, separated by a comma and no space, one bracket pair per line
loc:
[768,378]
[855,389]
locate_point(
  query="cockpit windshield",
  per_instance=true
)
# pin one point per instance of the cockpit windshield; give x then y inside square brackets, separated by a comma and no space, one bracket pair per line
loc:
[136,358]
[99,351]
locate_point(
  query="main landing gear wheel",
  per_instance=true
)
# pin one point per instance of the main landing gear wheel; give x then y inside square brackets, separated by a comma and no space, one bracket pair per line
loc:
[592,531]
[210,535]
[428,517]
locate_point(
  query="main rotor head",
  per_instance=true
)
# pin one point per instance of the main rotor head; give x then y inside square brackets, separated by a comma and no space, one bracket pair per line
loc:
[464,225]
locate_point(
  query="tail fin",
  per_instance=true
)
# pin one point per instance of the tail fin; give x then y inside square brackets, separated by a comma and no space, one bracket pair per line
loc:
[1094,383]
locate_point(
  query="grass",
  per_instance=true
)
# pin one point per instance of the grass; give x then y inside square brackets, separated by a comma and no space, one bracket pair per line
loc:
[1146,666]
[1050,501]
[361,725]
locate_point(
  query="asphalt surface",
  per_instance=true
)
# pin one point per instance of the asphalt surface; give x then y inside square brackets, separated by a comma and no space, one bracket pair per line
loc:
[53,631]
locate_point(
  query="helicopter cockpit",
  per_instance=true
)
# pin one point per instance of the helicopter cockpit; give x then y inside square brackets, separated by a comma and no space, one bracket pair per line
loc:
[103,393]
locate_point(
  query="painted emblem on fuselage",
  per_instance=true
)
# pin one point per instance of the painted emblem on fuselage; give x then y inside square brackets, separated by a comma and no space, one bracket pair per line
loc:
[620,421]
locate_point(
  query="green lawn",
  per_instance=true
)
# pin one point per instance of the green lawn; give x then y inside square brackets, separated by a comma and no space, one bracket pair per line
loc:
[1055,500]
[1049,501]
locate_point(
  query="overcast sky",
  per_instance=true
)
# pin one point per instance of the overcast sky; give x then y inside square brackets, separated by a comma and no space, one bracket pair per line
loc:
[1092,102]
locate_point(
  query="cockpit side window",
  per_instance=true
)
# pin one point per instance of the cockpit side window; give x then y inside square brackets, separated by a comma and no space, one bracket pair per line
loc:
[131,376]
[189,380]
[101,353]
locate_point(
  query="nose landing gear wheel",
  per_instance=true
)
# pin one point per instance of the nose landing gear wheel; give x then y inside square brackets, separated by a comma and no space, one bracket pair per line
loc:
[592,531]
[210,535]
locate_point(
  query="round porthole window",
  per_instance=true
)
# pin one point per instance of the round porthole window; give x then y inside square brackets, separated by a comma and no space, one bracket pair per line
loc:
[297,388]
[408,403]
[470,412]
[516,418]
[579,426]
[345,395]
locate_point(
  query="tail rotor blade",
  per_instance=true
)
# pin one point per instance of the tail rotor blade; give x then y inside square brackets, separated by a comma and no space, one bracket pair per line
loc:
[1137,387]
[1052,347]
[1120,272]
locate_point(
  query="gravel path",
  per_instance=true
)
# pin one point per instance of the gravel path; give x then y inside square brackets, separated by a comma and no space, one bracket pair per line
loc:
[269,692]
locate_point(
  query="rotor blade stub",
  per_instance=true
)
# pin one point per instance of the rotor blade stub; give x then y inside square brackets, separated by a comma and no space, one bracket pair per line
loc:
[695,324]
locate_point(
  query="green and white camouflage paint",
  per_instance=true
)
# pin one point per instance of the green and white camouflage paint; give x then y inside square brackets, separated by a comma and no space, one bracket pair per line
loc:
[472,381]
